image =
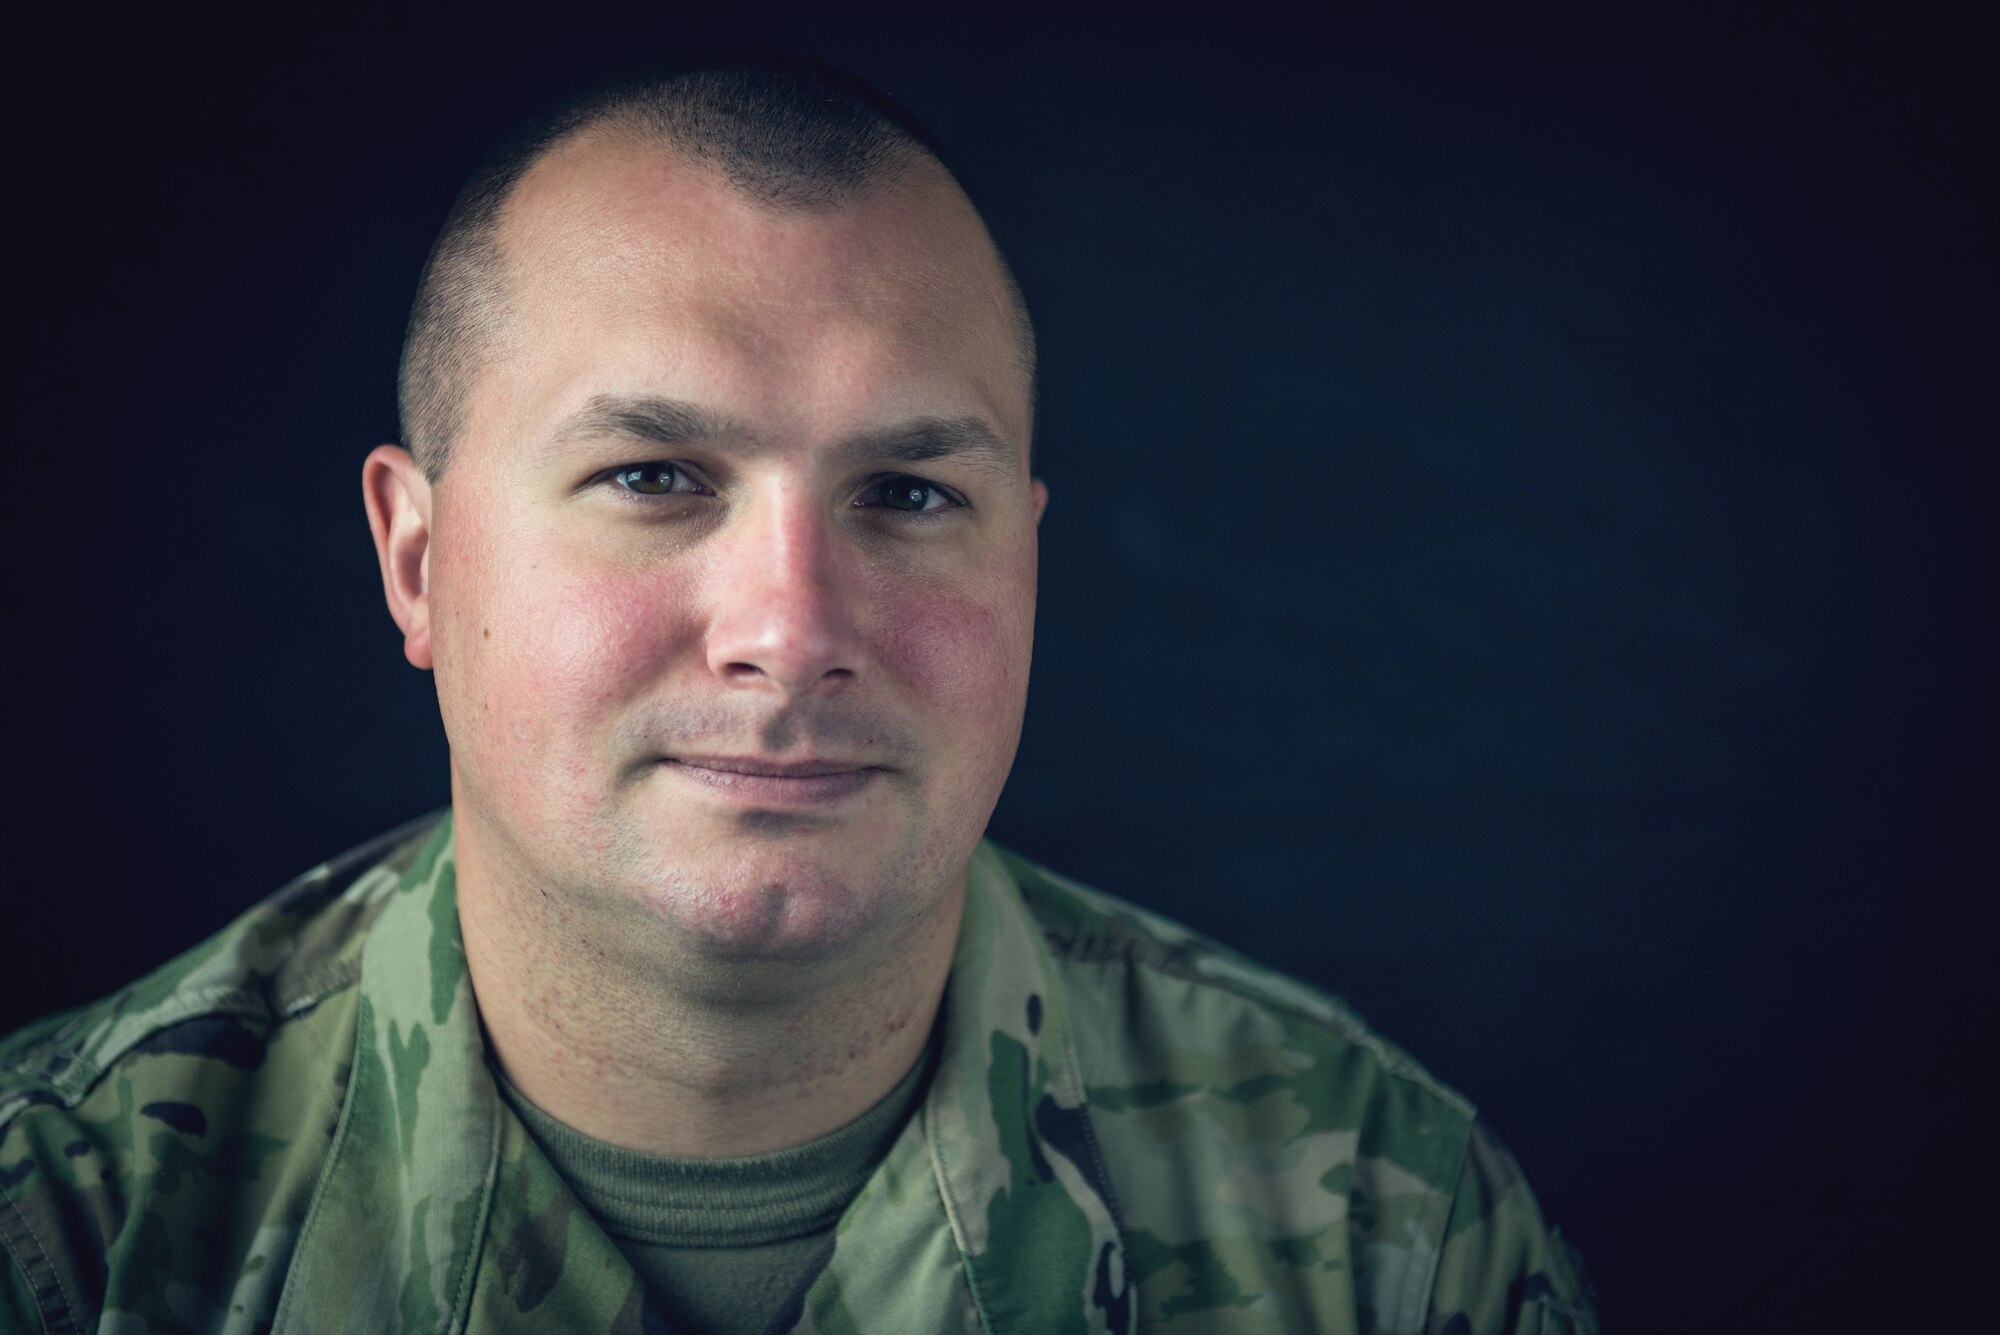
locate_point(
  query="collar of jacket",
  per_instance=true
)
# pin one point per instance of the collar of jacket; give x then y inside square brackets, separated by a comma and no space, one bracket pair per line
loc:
[1016,1229]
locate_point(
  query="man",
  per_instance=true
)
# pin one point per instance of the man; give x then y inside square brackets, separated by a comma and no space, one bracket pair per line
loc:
[706,1007]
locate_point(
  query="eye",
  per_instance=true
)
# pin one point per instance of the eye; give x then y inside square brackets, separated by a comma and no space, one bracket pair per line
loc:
[655,479]
[911,495]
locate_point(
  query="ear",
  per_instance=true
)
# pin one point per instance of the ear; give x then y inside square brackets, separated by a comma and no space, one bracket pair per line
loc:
[398,497]
[1038,492]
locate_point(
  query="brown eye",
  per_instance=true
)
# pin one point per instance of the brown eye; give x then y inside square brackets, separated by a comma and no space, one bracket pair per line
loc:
[649,479]
[906,493]
[910,495]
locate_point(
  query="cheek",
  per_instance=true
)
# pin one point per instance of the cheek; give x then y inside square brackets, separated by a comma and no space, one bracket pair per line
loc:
[537,652]
[964,659]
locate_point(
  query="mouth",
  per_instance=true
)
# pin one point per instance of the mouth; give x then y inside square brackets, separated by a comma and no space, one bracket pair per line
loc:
[754,781]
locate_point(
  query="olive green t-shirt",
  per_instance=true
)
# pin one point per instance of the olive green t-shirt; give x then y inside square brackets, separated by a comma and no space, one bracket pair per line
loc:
[721,1243]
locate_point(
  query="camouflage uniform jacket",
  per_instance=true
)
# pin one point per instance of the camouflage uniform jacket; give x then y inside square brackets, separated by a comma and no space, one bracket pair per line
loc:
[293,1127]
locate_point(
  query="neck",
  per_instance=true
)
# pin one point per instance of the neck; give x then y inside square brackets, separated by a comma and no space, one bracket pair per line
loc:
[601,1034]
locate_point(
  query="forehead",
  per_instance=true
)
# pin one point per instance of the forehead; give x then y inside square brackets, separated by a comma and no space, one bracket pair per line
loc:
[625,262]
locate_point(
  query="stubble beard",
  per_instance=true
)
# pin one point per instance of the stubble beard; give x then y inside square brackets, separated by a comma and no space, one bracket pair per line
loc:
[744,908]
[653,888]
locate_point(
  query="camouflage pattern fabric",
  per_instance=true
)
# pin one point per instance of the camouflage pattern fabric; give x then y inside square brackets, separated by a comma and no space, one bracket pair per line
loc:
[293,1128]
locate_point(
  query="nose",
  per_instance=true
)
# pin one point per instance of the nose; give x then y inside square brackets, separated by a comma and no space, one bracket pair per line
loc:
[785,602]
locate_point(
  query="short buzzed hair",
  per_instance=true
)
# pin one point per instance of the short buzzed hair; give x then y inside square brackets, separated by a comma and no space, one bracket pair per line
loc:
[789,134]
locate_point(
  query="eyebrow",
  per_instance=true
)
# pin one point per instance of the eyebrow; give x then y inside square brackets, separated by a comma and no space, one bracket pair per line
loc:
[920,440]
[655,421]
[673,422]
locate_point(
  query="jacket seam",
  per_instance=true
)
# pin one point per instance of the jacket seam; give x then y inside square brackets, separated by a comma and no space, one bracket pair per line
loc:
[965,1269]
[177,1009]
[317,986]
[476,1249]
[71,1073]
[1099,948]
[15,1213]
[320,1189]
[1104,1182]
[1106,1188]
[1419,1299]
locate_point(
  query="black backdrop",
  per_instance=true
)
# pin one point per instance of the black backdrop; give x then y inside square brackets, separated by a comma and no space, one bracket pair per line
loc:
[1519,501]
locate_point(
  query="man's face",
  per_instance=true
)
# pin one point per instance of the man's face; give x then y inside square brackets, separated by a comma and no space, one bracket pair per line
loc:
[732,573]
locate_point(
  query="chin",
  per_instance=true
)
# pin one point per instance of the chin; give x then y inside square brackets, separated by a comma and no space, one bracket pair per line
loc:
[778,908]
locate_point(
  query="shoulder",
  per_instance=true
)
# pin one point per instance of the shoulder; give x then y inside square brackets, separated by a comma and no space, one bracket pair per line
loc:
[1146,969]
[200,1084]
[1269,1147]
[1502,1265]
[274,963]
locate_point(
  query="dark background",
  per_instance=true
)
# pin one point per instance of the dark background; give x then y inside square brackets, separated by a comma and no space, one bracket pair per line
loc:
[1517,550]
